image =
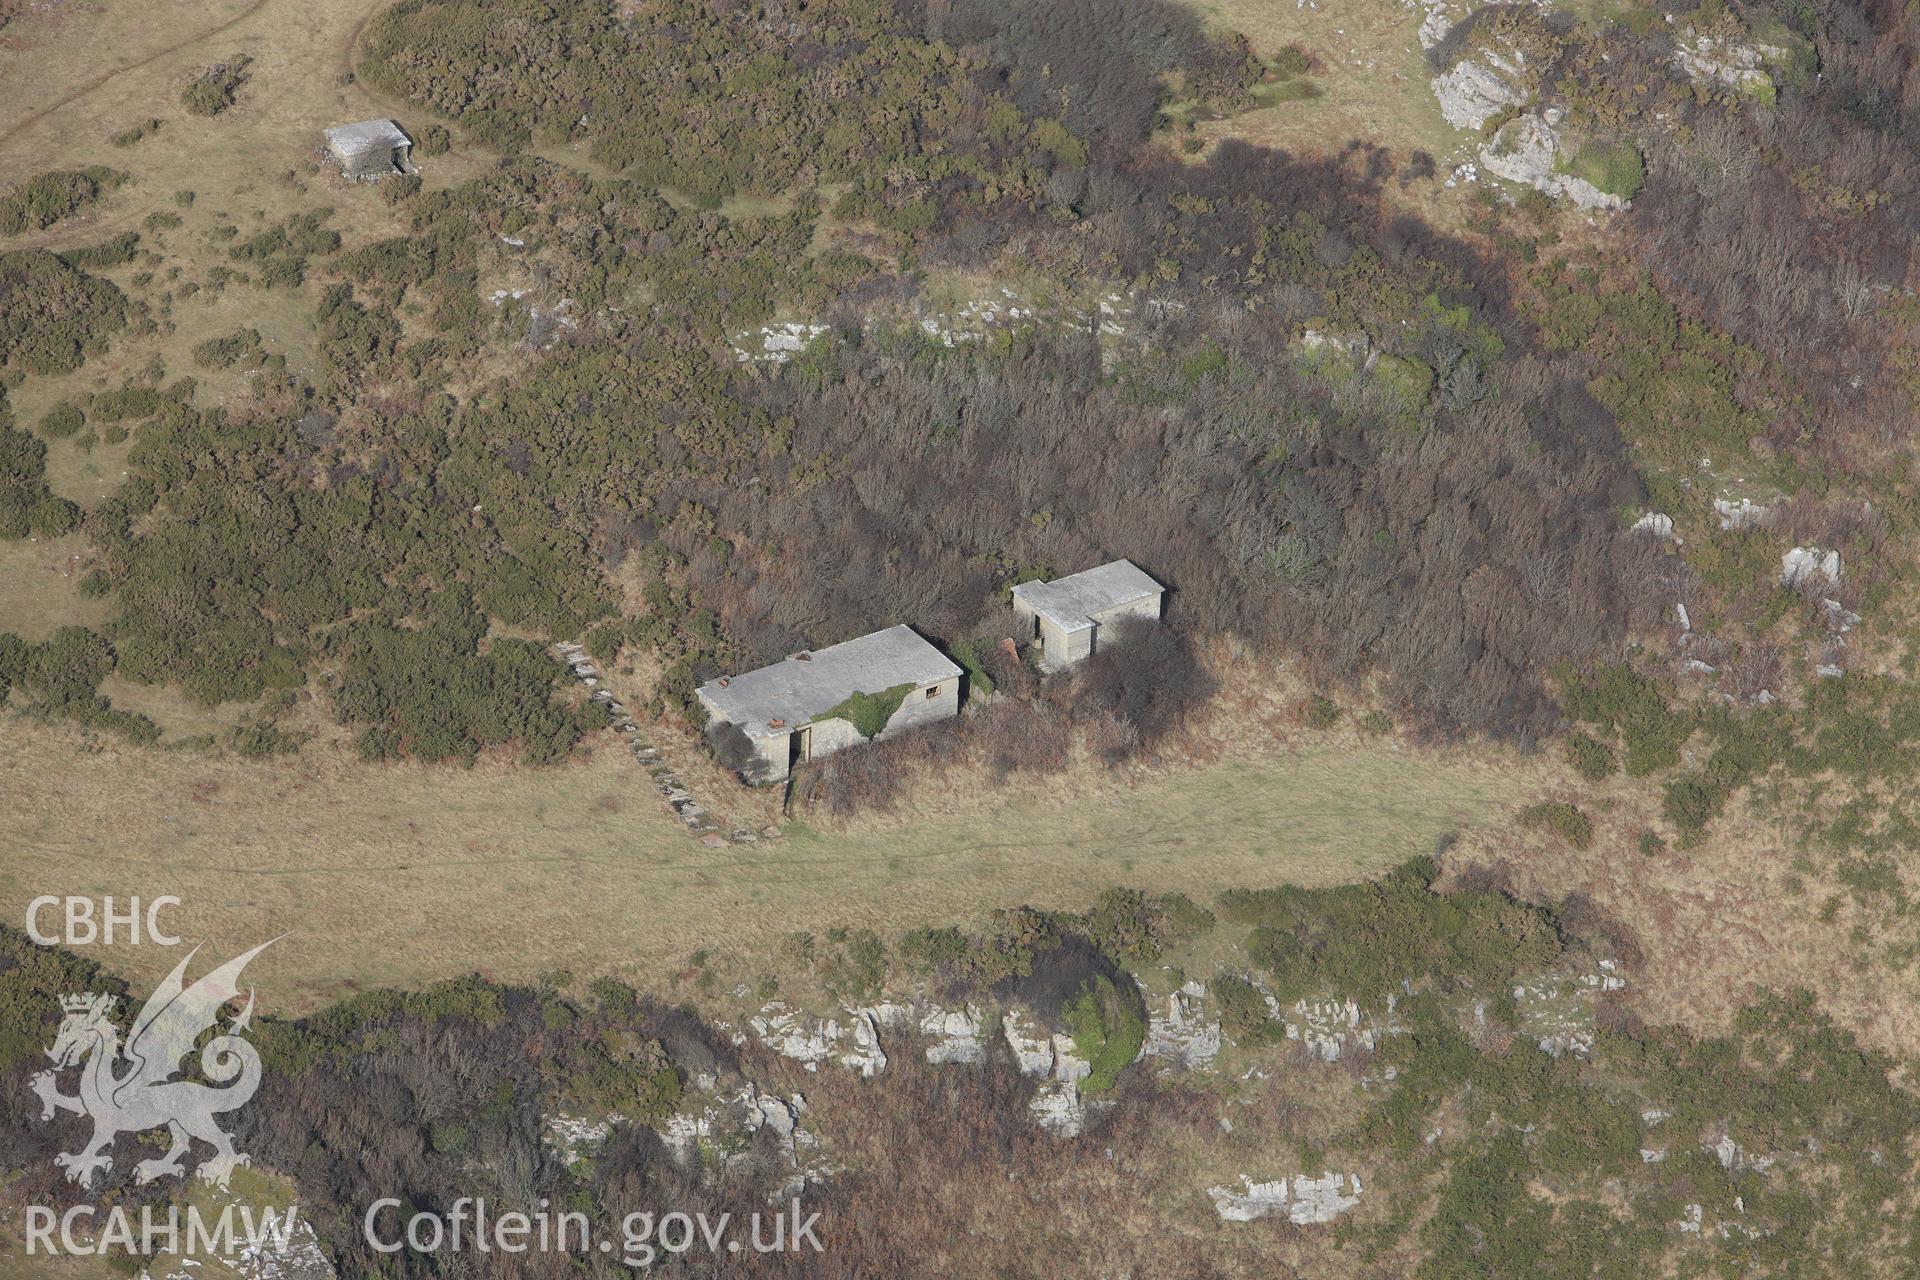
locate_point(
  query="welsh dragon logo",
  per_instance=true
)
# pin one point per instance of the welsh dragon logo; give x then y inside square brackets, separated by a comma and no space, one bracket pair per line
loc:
[132,1088]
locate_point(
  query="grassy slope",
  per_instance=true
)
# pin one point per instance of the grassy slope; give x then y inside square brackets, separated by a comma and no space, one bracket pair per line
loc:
[1713,921]
[1368,65]
[404,874]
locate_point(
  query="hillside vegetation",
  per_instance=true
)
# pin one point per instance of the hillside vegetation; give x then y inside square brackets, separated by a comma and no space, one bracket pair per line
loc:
[1532,465]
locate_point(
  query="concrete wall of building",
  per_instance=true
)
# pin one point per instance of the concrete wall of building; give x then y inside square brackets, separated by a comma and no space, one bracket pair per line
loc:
[1023,613]
[1148,609]
[1062,648]
[769,759]
[924,706]
[831,735]
[375,164]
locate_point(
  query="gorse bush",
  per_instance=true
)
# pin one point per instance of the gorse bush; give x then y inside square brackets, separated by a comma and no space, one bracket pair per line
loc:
[63,420]
[27,505]
[1243,1010]
[1620,699]
[1592,759]
[213,90]
[58,678]
[1137,927]
[117,252]
[32,980]
[45,198]
[240,346]
[55,316]
[1565,820]
[709,100]
[1363,941]
[431,692]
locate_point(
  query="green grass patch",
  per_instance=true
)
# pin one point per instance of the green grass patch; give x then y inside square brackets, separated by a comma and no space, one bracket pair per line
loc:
[1616,169]
[1108,1027]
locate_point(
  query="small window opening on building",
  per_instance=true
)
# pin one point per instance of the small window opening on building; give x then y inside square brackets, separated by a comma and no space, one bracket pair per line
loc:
[934,692]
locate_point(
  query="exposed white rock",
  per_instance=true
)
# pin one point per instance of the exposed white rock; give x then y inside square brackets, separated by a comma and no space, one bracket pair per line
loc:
[776,343]
[1304,1200]
[1324,1198]
[866,1056]
[294,1254]
[573,1138]
[728,1122]
[1838,617]
[1809,566]
[1472,93]
[1356,347]
[1709,60]
[684,1131]
[1744,514]
[1527,150]
[1331,1027]
[1183,1033]
[1734,1158]
[1033,1046]
[1057,1107]
[794,1034]
[1557,1009]
[956,1035]
[1257,1200]
[279,1244]
[854,1043]
[975,318]
[1657,524]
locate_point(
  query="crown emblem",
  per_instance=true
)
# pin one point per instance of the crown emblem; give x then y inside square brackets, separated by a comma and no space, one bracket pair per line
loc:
[85,1002]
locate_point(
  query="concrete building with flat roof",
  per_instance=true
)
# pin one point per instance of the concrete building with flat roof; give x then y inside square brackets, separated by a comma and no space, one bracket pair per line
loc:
[816,702]
[1065,616]
[370,149]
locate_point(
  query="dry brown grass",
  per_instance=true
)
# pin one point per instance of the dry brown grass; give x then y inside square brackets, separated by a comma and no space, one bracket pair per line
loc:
[40,586]
[402,874]
[1372,74]
[18,1266]
[1717,924]
[76,82]
[1129,1198]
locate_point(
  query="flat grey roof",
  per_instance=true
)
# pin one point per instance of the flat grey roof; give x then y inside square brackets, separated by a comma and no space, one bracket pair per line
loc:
[799,691]
[366,135]
[1070,602]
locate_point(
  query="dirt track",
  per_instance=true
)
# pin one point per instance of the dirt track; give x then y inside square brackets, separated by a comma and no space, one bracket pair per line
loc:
[105,78]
